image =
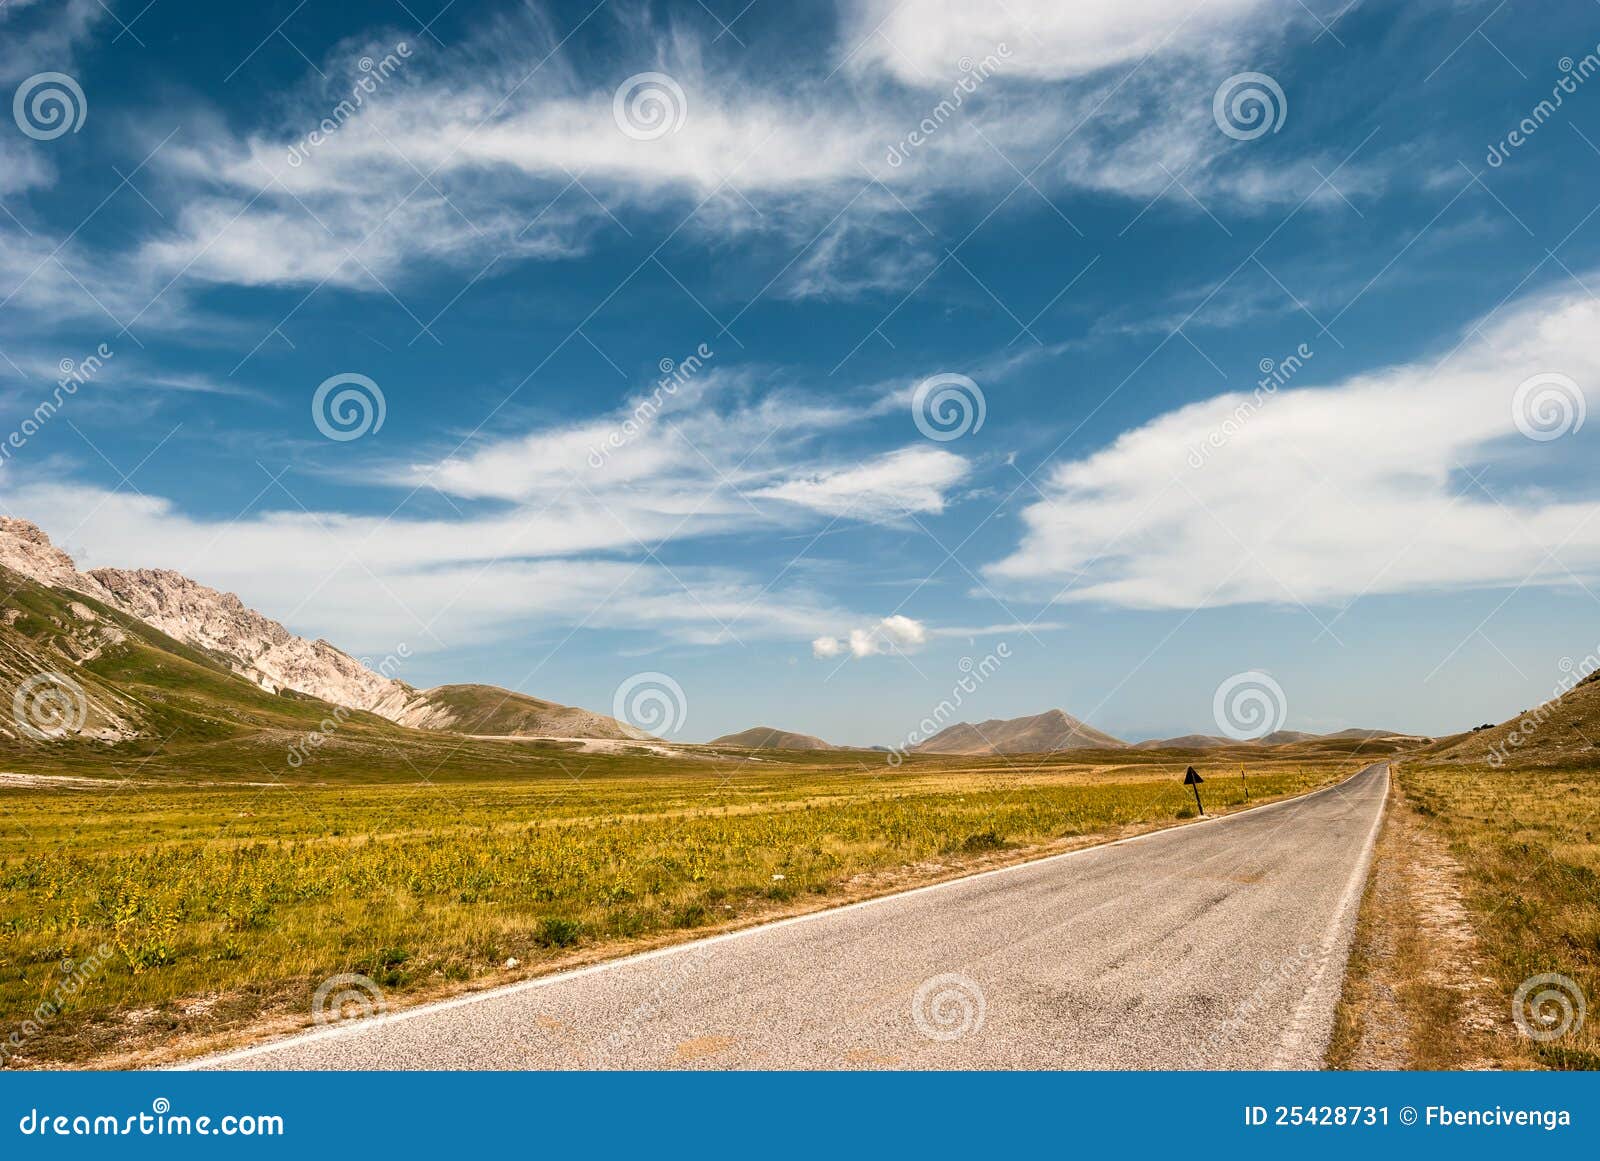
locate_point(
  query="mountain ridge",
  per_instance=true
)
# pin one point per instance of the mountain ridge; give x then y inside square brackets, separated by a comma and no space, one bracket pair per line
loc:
[264,652]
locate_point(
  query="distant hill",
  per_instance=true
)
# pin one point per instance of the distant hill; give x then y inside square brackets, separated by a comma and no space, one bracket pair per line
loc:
[768,738]
[1561,732]
[1043,733]
[1277,738]
[1284,737]
[489,711]
[1186,742]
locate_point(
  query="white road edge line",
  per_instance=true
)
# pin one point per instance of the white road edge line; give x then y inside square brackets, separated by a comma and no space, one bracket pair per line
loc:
[355,1027]
[1305,1038]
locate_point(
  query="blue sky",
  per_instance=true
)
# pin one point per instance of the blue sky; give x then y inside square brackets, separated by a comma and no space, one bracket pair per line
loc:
[532,209]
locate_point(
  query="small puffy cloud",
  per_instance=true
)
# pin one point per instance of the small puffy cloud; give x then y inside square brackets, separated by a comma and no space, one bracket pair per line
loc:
[896,633]
[903,630]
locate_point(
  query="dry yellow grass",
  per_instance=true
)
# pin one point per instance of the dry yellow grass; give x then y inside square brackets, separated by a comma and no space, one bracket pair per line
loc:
[223,907]
[1485,879]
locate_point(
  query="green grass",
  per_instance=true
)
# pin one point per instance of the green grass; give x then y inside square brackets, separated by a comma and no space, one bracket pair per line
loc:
[223,904]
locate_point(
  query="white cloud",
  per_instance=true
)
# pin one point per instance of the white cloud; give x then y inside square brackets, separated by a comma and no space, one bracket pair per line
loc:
[1319,495]
[33,41]
[923,40]
[366,583]
[893,634]
[826,647]
[710,456]
[555,536]
[913,479]
[463,156]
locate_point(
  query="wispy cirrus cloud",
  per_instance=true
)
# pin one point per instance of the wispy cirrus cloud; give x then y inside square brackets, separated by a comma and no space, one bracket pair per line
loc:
[465,155]
[1319,495]
[553,533]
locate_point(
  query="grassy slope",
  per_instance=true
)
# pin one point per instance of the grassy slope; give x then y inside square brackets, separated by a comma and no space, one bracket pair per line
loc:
[1525,834]
[490,710]
[770,738]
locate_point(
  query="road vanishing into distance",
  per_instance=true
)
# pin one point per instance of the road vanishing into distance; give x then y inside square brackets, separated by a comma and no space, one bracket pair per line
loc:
[1220,944]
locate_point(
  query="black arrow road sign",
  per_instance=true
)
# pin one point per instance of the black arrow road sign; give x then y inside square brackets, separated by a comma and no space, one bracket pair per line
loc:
[1192,779]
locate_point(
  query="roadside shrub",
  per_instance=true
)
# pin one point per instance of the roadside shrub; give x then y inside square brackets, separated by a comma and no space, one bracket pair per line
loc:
[558,932]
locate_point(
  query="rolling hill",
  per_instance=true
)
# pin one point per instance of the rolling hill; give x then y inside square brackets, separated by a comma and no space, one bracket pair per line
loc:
[1043,733]
[768,738]
[1186,742]
[1564,731]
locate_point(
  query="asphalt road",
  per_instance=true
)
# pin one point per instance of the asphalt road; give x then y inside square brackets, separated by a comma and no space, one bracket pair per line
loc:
[1220,944]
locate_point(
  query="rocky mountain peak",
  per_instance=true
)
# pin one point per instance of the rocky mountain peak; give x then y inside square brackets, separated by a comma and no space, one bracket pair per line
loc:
[25,548]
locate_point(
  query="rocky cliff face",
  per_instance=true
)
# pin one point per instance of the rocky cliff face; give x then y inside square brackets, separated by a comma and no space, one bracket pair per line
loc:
[261,650]
[255,647]
[26,549]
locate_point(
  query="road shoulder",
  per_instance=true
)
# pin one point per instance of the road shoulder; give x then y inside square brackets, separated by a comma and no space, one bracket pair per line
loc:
[1417,992]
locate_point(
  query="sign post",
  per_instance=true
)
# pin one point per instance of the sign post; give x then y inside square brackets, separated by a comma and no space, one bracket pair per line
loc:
[1244,783]
[1192,780]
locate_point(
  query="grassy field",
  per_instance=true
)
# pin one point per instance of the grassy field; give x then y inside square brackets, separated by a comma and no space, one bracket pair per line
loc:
[1484,878]
[1526,840]
[186,910]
